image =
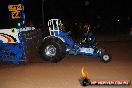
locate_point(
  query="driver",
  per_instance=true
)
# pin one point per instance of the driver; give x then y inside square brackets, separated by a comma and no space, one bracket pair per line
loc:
[88,37]
[61,26]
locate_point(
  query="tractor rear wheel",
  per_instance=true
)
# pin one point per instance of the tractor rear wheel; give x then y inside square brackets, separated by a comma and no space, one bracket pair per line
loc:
[53,50]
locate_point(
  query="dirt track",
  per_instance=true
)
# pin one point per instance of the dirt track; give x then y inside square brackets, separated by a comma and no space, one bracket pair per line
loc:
[66,73]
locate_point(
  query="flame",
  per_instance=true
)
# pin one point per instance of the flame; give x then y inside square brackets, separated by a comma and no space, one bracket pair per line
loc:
[84,73]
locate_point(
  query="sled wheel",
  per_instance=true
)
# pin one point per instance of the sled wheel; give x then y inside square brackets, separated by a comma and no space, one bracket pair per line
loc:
[53,51]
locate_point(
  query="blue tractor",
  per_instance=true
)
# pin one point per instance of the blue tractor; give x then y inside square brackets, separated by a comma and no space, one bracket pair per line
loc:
[59,43]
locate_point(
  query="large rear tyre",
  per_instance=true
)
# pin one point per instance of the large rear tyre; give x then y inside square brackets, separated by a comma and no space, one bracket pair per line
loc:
[53,50]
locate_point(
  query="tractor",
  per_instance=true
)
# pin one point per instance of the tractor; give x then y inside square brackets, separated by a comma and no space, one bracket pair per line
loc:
[59,43]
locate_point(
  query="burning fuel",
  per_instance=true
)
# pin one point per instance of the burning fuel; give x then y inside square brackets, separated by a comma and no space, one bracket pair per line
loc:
[84,73]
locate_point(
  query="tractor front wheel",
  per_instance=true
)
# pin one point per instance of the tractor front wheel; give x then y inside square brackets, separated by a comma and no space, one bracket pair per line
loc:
[106,58]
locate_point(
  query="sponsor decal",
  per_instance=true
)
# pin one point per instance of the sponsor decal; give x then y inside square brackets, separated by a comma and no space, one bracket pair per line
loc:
[5,38]
[86,81]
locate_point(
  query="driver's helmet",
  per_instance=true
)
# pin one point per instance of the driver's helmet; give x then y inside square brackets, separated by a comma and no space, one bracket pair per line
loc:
[86,27]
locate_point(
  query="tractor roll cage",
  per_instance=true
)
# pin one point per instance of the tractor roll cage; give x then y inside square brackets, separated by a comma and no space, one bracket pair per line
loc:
[54,26]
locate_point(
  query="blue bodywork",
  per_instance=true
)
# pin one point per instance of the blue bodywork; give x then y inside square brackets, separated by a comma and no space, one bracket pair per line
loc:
[75,48]
[67,39]
[16,52]
[13,52]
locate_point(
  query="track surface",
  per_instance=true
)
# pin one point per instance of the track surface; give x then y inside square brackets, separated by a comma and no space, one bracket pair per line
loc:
[66,73]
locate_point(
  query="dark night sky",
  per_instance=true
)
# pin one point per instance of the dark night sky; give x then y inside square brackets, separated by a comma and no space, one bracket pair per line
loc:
[70,9]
